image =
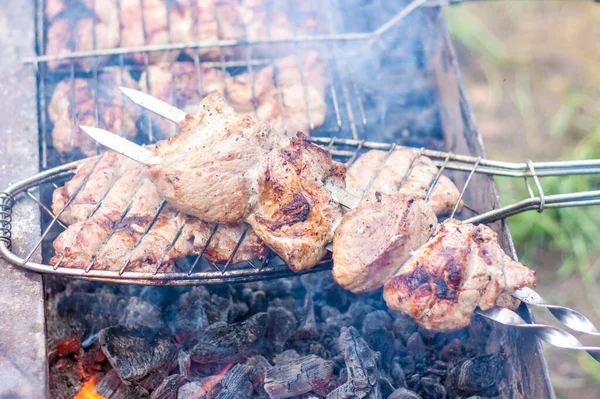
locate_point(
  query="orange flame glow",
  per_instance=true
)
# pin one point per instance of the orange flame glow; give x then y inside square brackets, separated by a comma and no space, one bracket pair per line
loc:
[88,391]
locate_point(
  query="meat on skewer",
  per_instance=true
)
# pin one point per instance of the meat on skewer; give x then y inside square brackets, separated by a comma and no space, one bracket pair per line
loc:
[460,268]
[374,239]
[294,214]
[210,170]
[113,113]
[128,184]
[377,171]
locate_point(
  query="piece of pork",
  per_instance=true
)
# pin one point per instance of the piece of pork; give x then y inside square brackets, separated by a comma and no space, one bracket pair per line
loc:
[387,172]
[295,214]
[114,114]
[462,267]
[210,170]
[377,237]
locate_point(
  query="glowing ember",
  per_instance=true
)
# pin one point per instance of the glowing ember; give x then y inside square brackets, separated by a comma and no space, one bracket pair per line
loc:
[208,383]
[88,391]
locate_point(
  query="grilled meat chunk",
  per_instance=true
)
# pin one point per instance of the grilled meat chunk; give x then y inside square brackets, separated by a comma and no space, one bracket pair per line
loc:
[128,192]
[294,214]
[210,169]
[298,110]
[378,171]
[376,238]
[113,114]
[80,25]
[461,267]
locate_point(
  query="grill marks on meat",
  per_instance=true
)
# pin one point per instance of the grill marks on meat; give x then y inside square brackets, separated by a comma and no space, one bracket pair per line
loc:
[389,172]
[129,184]
[294,214]
[210,169]
[301,110]
[374,239]
[462,267]
[113,114]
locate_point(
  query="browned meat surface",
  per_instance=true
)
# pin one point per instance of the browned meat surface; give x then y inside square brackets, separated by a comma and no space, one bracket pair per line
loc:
[74,25]
[125,184]
[158,22]
[377,237]
[210,169]
[387,174]
[461,267]
[295,215]
[114,114]
[292,78]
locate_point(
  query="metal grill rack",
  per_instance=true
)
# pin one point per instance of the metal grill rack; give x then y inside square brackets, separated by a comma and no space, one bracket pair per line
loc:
[198,271]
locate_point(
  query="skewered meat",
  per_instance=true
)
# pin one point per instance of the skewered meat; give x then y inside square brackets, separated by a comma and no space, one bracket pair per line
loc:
[387,172]
[461,267]
[113,113]
[374,239]
[298,109]
[75,27]
[295,215]
[128,185]
[210,169]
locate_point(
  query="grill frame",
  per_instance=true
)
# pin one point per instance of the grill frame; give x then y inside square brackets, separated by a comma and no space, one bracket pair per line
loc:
[526,374]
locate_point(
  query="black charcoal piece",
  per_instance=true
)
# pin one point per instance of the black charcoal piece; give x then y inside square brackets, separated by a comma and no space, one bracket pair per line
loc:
[451,350]
[285,357]
[477,376]
[108,385]
[191,390]
[361,362]
[141,313]
[217,307]
[184,363]
[416,347]
[226,343]
[65,379]
[168,388]
[397,373]
[237,384]
[282,325]
[259,366]
[257,302]
[130,392]
[186,323]
[307,324]
[137,354]
[329,312]
[432,389]
[357,311]
[302,375]
[403,393]
[377,331]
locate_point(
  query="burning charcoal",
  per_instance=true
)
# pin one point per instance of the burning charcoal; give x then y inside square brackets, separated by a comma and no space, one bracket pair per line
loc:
[302,375]
[361,362]
[403,393]
[403,325]
[358,311]
[218,307]
[64,378]
[386,386]
[139,354]
[79,312]
[187,322]
[237,312]
[108,385]
[477,376]
[377,331]
[432,389]
[222,343]
[307,325]
[259,366]
[258,302]
[191,390]
[397,373]
[416,346]
[282,325]
[438,368]
[91,360]
[235,385]
[451,350]
[184,360]
[329,312]
[141,313]
[286,357]
[130,392]
[168,388]
[408,364]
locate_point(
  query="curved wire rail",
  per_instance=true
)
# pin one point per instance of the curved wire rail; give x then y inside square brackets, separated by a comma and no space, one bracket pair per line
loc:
[272,267]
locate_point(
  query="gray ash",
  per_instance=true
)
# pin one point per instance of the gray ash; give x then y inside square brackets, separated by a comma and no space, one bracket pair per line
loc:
[306,338]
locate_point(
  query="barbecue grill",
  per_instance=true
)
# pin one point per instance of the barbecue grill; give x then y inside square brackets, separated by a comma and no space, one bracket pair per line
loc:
[353,125]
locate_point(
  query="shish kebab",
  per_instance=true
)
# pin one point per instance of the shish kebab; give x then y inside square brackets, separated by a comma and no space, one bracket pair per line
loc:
[495,284]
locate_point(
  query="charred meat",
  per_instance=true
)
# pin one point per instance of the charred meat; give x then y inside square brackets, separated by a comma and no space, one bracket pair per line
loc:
[462,267]
[295,215]
[377,237]
[385,173]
